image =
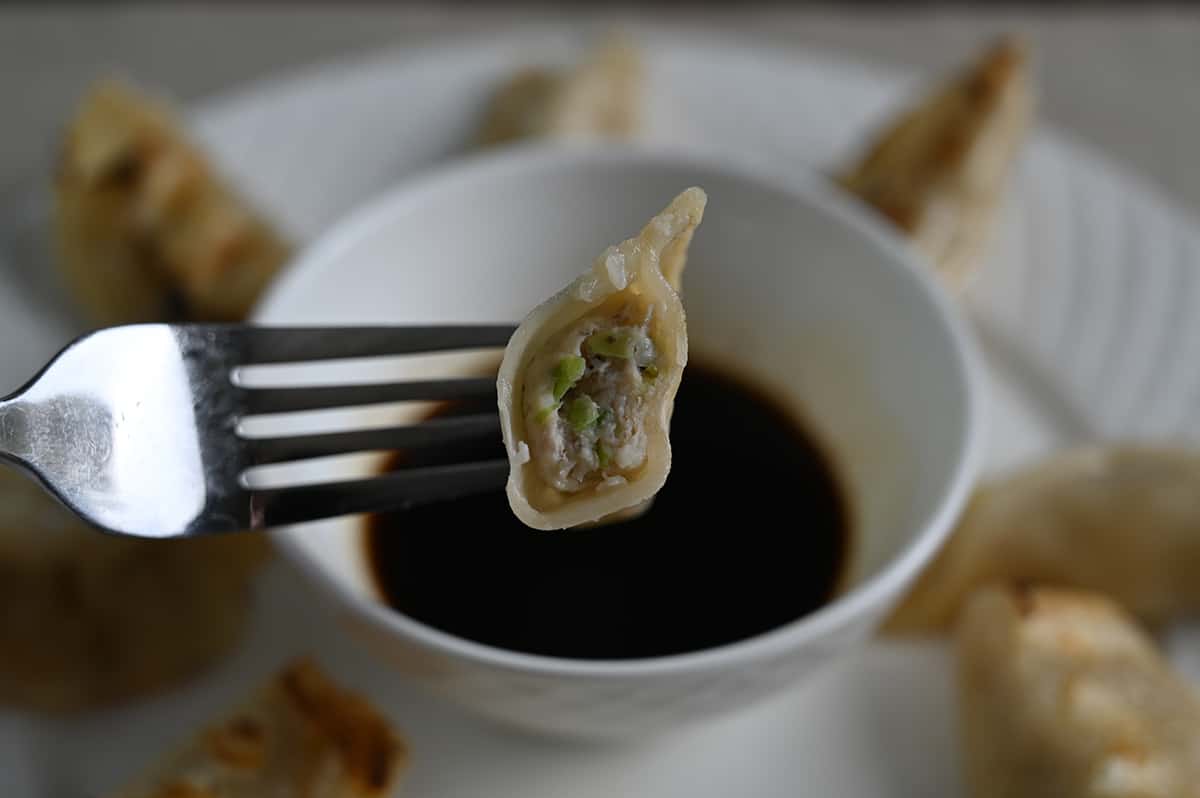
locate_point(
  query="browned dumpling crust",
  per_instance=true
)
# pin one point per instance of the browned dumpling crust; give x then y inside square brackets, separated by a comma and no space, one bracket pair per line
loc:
[939,171]
[299,736]
[145,228]
[1063,696]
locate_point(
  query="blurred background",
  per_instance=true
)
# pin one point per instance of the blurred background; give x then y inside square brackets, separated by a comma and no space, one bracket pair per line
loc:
[1121,76]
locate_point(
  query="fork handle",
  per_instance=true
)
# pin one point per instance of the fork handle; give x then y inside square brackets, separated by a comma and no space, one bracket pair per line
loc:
[15,444]
[64,437]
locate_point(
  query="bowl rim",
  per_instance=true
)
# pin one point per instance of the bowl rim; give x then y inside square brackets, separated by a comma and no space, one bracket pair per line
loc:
[811,189]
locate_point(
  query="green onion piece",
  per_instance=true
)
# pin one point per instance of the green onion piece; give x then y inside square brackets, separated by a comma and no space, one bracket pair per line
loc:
[546,413]
[611,344]
[582,413]
[566,374]
[603,455]
[650,372]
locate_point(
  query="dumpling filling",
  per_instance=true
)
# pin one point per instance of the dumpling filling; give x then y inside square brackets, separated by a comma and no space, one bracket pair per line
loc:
[586,399]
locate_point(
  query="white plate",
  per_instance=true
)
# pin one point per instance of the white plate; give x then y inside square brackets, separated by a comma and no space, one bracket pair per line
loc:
[1086,315]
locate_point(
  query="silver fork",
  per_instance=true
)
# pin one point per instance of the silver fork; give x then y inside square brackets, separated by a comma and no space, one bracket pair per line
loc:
[136,428]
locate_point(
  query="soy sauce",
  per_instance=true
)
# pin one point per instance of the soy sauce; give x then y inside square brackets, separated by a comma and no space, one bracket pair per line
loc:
[750,532]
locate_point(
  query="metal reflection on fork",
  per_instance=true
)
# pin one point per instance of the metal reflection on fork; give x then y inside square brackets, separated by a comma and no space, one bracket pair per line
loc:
[136,428]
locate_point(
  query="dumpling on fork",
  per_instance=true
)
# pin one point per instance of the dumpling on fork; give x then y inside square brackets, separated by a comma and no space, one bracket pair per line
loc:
[588,380]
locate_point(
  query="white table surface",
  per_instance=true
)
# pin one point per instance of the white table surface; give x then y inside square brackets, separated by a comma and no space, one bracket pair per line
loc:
[1126,81]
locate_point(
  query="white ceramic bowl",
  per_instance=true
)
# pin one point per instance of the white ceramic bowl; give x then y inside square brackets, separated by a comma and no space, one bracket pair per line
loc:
[794,284]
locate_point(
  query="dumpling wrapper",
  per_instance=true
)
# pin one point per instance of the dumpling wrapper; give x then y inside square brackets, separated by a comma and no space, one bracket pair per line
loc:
[600,97]
[93,620]
[588,380]
[1122,521]
[300,735]
[939,171]
[145,227]
[1062,696]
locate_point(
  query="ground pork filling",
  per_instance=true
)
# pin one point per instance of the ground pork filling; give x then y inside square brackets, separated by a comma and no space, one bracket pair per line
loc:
[586,402]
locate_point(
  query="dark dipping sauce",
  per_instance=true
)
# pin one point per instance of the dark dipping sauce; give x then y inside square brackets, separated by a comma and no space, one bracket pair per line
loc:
[749,533]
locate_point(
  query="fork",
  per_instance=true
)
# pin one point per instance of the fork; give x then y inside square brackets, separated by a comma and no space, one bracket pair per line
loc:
[137,428]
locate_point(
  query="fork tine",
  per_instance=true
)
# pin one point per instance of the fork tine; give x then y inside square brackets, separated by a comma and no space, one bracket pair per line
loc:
[392,491]
[295,398]
[264,451]
[299,344]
